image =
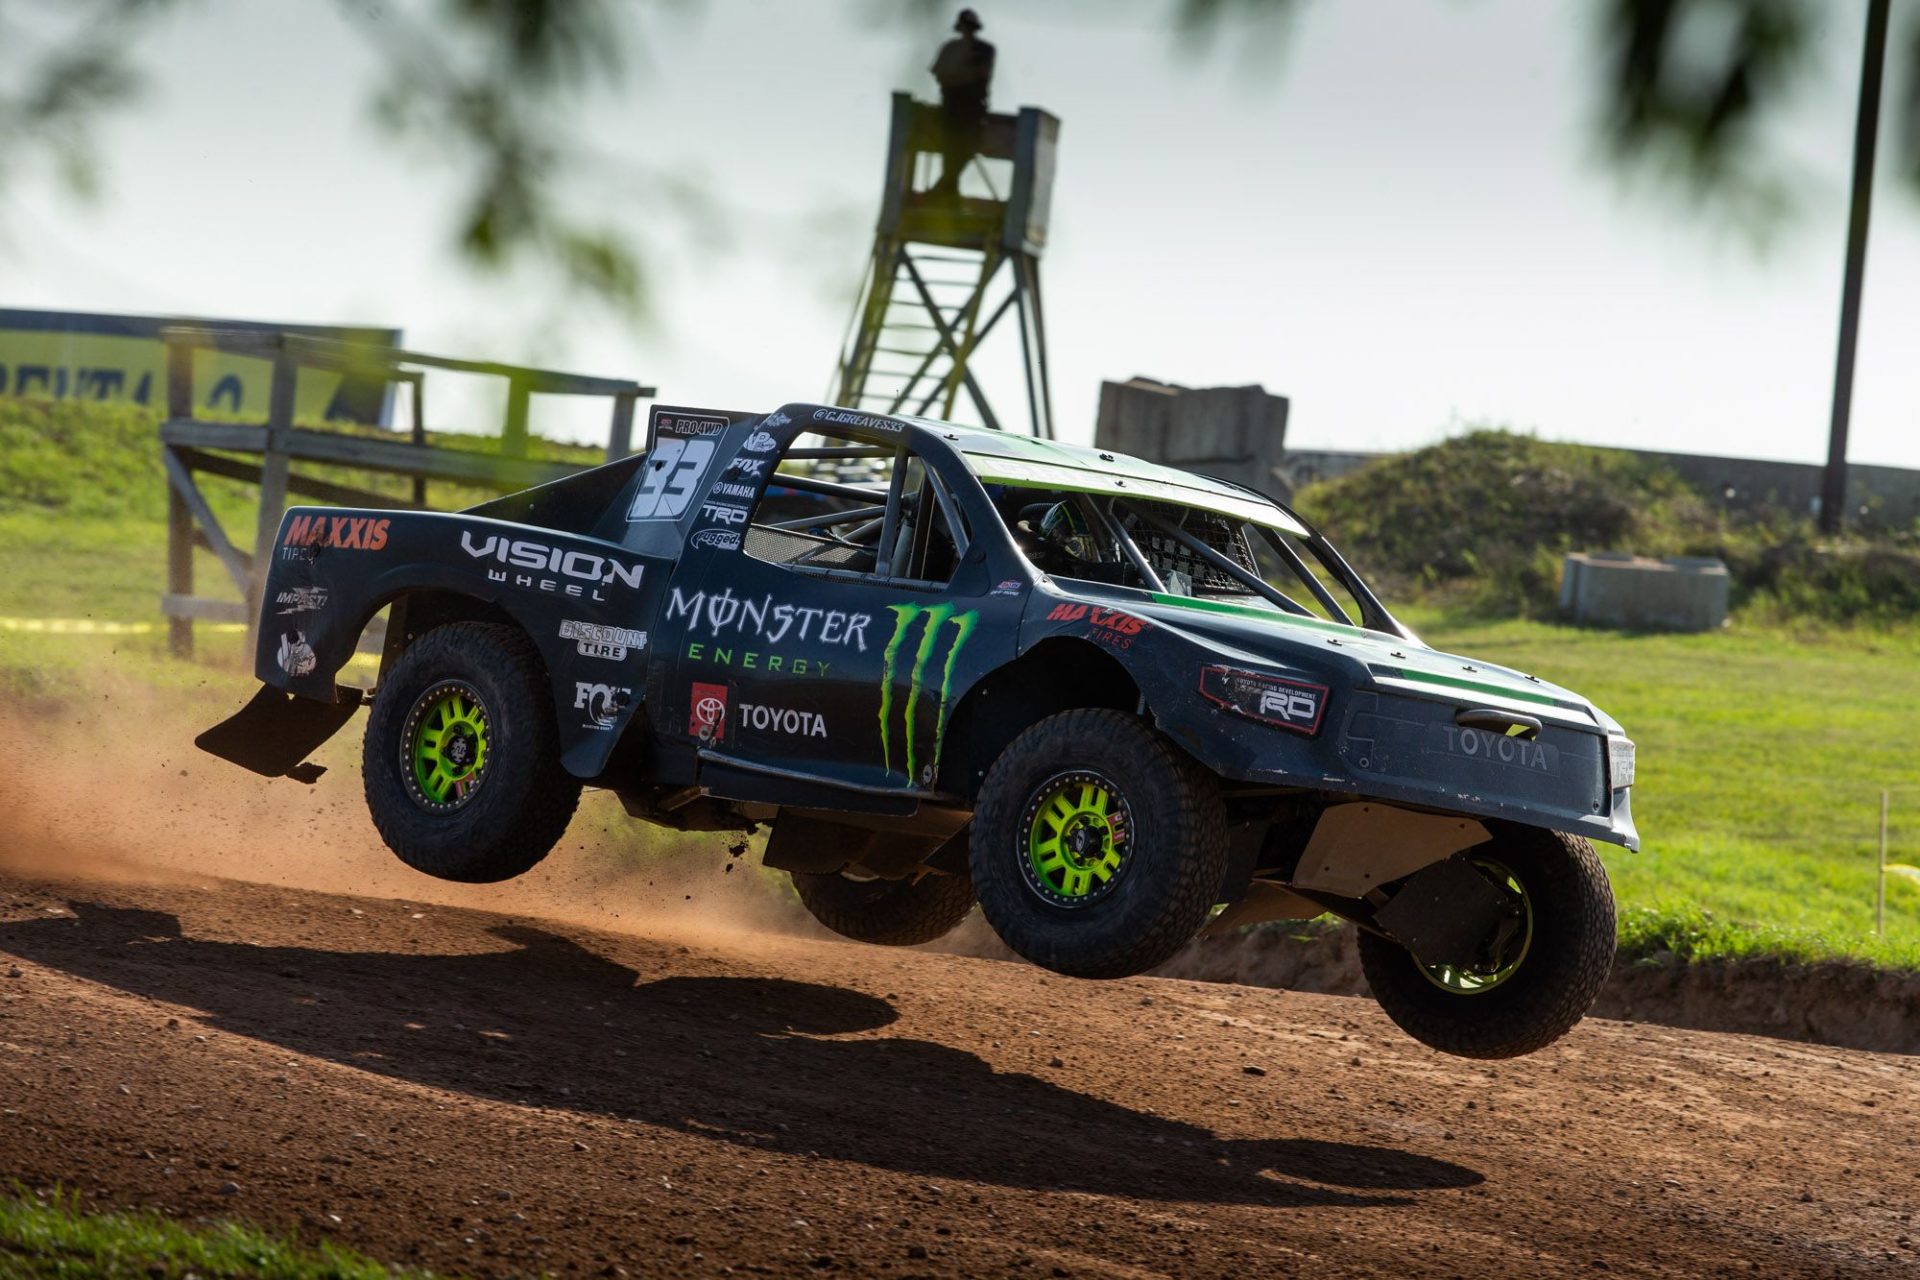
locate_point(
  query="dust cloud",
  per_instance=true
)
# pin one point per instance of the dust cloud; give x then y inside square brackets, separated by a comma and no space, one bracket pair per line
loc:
[113,789]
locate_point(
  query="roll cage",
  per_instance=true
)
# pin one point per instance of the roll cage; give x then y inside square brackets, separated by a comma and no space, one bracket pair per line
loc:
[867,536]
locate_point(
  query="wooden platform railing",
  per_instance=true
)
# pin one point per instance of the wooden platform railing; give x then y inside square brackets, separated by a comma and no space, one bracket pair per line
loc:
[265,453]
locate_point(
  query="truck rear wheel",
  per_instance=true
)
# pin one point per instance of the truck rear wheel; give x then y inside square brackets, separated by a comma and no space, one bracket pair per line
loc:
[1097,846]
[1542,976]
[462,758]
[892,913]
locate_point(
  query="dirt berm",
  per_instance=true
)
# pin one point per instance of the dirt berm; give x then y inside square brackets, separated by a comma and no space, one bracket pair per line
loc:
[1832,1003]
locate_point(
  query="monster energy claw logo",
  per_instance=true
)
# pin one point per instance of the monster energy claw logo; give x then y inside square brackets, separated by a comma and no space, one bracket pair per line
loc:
[937,619]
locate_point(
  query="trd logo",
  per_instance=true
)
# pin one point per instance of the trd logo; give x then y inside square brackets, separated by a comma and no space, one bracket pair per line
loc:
[1268,699]
[707,712]
[602,702]
[932,623]
[1105,619]
[1298,705]
[347,532]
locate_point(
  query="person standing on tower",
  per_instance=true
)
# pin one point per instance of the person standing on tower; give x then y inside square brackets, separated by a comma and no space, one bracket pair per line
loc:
[965,72]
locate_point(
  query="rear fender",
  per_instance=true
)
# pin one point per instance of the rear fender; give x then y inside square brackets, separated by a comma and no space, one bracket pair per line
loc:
[586,604]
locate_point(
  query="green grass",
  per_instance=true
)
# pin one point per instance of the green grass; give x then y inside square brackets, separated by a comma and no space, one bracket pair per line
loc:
[1762,754]
[41,1239]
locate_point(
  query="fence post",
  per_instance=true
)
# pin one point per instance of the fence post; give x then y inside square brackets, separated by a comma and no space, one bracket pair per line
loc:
[179,519]
[179,568]
[1880,901]
[513,435]
[620,438]
[273,484]
[179,377]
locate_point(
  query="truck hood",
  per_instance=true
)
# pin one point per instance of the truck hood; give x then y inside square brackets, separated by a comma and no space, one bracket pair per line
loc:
[1257,636]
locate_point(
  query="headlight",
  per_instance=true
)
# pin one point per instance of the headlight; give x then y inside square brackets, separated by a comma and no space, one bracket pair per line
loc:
[1274,700]
[1620,762]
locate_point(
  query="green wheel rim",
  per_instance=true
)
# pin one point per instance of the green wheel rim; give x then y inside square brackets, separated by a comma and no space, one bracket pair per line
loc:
[445,748]
[1472,981]
[1079,832]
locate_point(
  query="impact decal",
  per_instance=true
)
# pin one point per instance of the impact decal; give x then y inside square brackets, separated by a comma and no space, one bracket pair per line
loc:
[777,419]
[673,477]
[349,533]
[555,562]
[301,600]
[707,712]
[786,720]
[933,622]
[296,656]
[603,703]
[762,619]
[716,539]
[595,641]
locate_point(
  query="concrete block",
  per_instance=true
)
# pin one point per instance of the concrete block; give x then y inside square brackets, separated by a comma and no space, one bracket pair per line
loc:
[1236,434]
[1637,593]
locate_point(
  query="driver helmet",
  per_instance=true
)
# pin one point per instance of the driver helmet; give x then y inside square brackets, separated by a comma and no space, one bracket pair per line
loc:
[1065,527]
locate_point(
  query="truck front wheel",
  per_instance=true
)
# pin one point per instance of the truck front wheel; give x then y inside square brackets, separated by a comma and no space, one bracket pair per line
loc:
[1537,978]
[1097,846]
[462,759]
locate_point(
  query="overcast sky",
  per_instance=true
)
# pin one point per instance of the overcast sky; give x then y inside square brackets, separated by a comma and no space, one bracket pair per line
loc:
[1395,216]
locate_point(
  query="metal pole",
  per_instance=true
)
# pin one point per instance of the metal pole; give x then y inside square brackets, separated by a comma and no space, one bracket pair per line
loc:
[1833,488]
[1880,902]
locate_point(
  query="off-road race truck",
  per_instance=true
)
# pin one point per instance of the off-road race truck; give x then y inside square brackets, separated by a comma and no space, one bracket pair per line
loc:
[1111,702]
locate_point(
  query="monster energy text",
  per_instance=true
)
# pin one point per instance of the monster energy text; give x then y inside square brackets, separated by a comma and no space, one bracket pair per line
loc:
[936,623]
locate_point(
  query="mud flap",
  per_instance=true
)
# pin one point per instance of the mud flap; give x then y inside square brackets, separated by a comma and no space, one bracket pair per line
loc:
[274,733]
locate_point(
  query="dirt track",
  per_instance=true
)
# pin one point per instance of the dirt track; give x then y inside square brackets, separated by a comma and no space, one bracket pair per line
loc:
[500,1095]
[659,1083]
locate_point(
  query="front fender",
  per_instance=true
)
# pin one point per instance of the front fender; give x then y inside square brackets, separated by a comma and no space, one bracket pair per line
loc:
[1359,732]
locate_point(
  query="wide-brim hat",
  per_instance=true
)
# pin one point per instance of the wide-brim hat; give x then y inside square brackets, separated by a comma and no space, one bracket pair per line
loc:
[967,21]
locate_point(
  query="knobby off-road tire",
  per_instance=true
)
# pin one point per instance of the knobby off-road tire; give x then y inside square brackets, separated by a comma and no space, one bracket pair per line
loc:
[1039,847]
[1566,961]
[482,689]
[892,913]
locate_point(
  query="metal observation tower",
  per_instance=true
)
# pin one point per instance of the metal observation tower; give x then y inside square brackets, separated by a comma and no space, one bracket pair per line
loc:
[945,272]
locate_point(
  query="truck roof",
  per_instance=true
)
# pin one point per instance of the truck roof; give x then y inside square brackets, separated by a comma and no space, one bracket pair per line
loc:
[1001,457]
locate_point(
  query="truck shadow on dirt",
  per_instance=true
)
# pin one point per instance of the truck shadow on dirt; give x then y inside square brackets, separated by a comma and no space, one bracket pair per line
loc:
[762,1063]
